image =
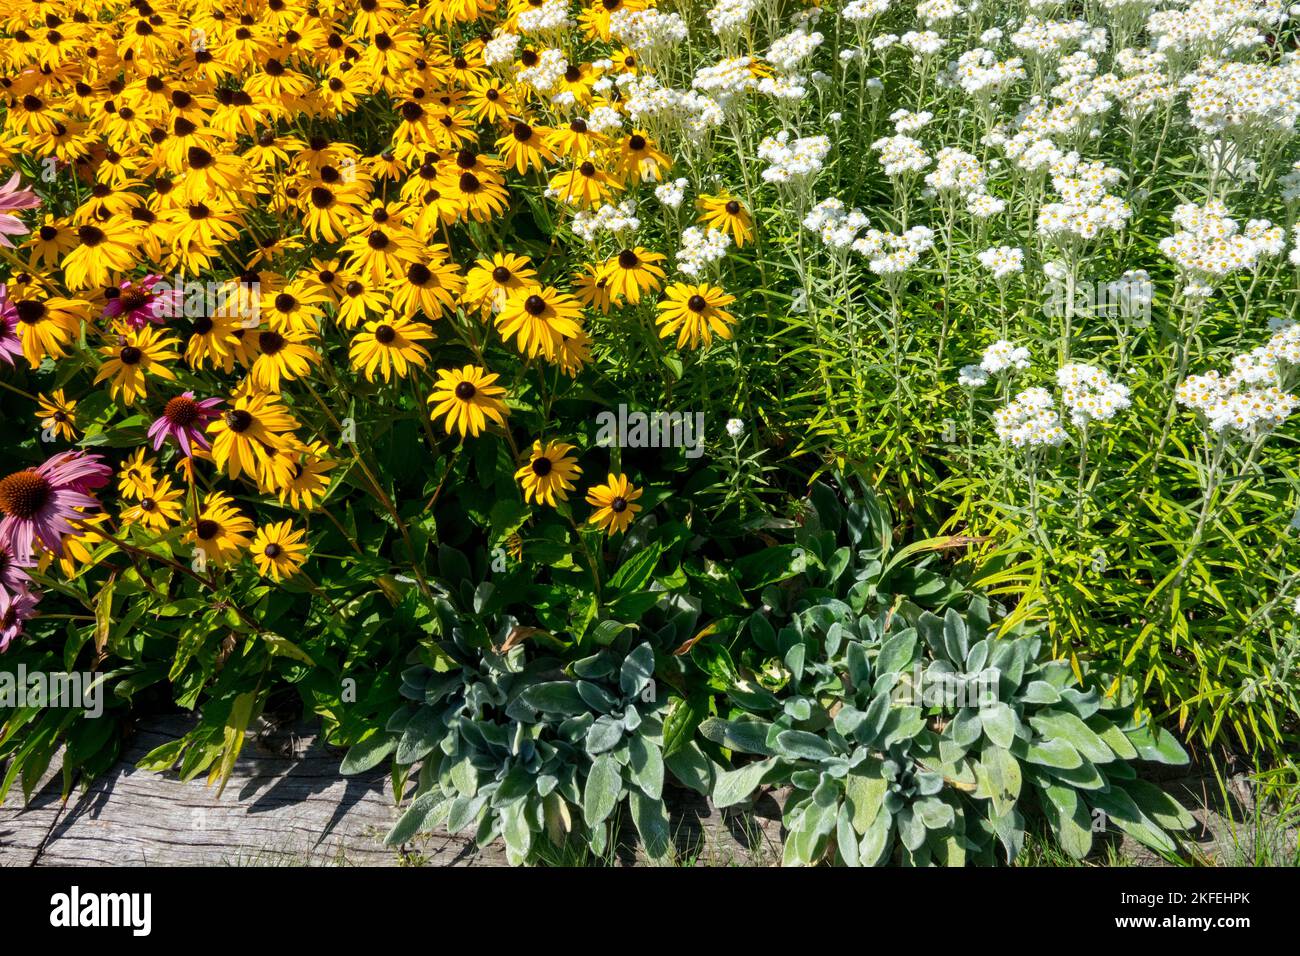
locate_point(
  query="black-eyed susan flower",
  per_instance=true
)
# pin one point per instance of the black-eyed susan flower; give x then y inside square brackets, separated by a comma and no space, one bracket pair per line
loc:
[58,415]
[136,355]
[613,503]
[586,186]
[526,147]
[390,346]
[695,313]
[576,141]
[539,318]
[297,474]
[431,287]
[47,324]
[278,550]
[220,533]
[136,474]
[212,342]
[466,398]
[492,281]
[725,213]
[286,354]
[631,272]
[246,435]
[158,507]
[548,475]
[639,159]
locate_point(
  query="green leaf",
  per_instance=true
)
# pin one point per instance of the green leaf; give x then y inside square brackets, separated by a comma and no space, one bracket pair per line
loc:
[638,667]
[1068,727]
[799,744]
[734,786]
[555,697]
[423,815]
[635,573]
[646,765]
[603,788]
[745,736]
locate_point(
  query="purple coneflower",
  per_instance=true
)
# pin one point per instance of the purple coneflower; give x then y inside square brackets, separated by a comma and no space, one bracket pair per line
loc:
[12,198]
[11,346]
[141,304]
[14,610]
[12,576]
[185,419]
[38,503]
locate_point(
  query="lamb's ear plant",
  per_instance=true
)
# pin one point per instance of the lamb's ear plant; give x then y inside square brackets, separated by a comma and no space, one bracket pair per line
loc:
[927,735]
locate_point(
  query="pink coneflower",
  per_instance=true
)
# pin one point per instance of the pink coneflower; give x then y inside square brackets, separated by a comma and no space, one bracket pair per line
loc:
[141,304]
[185,419]
[14,610]
[38,503]
[11,346]
[12,198]
[12,576]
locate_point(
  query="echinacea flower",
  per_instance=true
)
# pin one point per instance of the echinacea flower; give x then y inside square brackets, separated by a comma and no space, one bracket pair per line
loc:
[15,609]
[141,303]
[12,576]
[184,420]
[11,346]
[13,198]
[613,503]
[549,473]
[39,503]
[278,550]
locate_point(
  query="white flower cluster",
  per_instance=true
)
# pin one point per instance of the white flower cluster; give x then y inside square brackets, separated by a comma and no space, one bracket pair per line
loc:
[1230,96]
[1050,38]
[836,225]
[614,220]
[860,11]
[900,155]
[892,254]
[729,17]
[551,16]
[546,72]
[1003,261]
[905,121]
[700,249]
[604,119]
[938,11]
[980,73]
[1029,420]
[649,29]
[649,103]
[1229,404]
[923,43]
[1085,209]
[1002,356]
[726,79]
[788,51]
[792,162]
[1210,244]
[1204,25]
[1090,394]
[500,50]
[672,193]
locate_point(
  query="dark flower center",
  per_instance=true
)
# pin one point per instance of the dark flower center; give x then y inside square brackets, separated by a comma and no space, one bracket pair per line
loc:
[203,325]
[578,126]
[30,311]
[206,529]
[501,275]
[732,207]
[270,342]
[321,197]
[384,334]
[181,411]
[587,169]
[284,302]
[523,132]
[541,467]
[697,303]
[272,550]
[239,420]
[49,232]
[148,504]
[418,274]
[636,142]
[465,391]
[535,305]
[377,240]
[24,493]
[618,505]
[469,183]
[90,235]
[130,355]
[627,259]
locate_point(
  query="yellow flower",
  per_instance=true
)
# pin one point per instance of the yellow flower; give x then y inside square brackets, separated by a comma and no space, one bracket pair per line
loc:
[392,345]
[281,355]
[138,353]
[549,473]
[58,415]
[245,436]
[695,313]
[278,550]
[631,271]
[492,281]
[539,319]
[158,509]
[468,397]
[136,475]
[220,533]
[613,503]
[725,213]
[297,473]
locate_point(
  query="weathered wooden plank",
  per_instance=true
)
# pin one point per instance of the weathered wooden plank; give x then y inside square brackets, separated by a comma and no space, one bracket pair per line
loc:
[286,803]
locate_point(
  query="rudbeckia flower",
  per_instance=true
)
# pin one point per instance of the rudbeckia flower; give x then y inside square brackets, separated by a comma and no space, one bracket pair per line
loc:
[538,318]
[221,531]
[389,347]
[695,313]
[468,397]
[243,437]
[278,550]
[613,502]
[138,354]
[58,415]
[725,213]
[158,509]
[549,473]
[632,271]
